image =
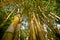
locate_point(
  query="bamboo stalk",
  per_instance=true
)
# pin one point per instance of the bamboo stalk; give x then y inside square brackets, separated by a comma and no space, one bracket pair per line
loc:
[39,30]
[8,35]
[39,19]
[33,37]
[54,28]
[3,23]
[55,15]
[52,17]
[17,30]
[48,22]
[32,31]
[16,36]
[44,28]
[36,31]
[9,32]
[49,35]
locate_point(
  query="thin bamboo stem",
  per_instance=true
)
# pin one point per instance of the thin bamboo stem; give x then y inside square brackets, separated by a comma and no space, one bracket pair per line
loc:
[55,15]
[3,23]
[52,17]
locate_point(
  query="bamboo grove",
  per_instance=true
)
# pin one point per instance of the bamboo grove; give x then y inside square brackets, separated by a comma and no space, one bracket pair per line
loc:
[39,15]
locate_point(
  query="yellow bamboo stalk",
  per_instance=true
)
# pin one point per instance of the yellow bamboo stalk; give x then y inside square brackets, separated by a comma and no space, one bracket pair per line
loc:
[52,17]
[32,31]
[3,23]
[16,36]
[55,15]
[43,27]
[8,35]
[38,26]
[17,30]
[9,32]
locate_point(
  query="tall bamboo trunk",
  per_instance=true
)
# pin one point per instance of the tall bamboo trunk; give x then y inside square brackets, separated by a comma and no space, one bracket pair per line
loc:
[8,35]
[32,31]
[42,27]
[10,31]
[55,15]
[39,30]
[17,31]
